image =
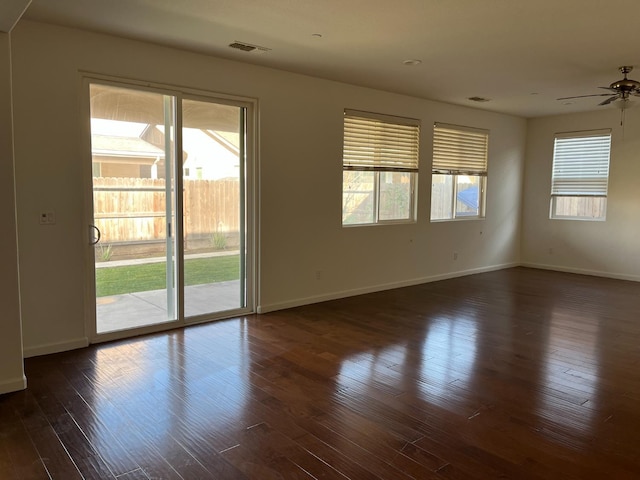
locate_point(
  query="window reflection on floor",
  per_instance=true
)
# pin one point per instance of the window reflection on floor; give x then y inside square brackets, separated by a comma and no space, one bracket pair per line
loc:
[167,389]
[445,364]
[449,354]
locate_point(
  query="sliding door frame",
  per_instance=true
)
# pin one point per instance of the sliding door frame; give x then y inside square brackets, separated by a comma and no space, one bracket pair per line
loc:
[249,204]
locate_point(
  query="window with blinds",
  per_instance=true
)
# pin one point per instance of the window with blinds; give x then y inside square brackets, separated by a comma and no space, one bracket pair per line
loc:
[459,171]
[380,167]
[580,175]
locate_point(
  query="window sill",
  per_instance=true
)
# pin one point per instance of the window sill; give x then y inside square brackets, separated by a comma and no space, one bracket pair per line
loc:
[580,219]
[378,224]
[458,219]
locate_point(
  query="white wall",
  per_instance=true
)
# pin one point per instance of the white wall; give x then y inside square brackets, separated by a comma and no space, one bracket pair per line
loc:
[607,248]
[300,179]
[11,365]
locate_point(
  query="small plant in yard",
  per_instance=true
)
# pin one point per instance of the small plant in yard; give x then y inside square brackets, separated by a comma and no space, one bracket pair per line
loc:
[105,252]
[219,240]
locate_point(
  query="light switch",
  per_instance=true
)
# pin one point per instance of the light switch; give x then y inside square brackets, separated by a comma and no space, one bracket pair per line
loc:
[48,217]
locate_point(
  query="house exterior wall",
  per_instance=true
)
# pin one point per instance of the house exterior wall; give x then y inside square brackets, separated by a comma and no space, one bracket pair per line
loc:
[11,364]
[299,176]
[608,248]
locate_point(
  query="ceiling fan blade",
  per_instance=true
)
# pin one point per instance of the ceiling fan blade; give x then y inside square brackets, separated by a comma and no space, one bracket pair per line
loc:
[582,96]
[608,100]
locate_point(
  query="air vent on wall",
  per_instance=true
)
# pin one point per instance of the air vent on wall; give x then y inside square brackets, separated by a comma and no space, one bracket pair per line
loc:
[247,47]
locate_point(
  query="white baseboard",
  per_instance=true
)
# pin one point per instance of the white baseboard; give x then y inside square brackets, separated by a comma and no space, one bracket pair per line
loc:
[378,288]
[55,347]
[583,271]
[14,385]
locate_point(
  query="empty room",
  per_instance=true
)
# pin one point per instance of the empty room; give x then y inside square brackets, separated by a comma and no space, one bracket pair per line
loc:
[337,240]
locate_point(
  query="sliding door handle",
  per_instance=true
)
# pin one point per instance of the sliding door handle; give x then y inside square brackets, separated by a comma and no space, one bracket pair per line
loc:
[94,235]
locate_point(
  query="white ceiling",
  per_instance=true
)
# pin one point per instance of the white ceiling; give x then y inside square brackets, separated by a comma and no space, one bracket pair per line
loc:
[520,54]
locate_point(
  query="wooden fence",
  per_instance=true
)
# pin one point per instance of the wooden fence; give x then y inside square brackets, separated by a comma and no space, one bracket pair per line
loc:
[580,207]
[133,209]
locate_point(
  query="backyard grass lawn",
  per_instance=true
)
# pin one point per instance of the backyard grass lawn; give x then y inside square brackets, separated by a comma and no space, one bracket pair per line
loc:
[152,276]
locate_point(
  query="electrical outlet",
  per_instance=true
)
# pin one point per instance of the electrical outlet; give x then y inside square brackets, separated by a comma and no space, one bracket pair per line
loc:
[318,274]
[455,255]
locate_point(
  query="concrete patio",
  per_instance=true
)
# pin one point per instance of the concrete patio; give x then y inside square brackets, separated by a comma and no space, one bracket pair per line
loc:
[132,310]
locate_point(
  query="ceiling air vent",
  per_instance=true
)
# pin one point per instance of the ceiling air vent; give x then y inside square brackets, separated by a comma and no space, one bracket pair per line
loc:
[247,47]
[479,99]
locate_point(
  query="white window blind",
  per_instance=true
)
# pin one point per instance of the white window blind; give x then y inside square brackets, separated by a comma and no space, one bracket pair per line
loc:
[581,164]
[459,150]
[380,142]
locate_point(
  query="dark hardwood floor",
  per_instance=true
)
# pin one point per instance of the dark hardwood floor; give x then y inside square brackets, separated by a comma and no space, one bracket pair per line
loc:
[519,374]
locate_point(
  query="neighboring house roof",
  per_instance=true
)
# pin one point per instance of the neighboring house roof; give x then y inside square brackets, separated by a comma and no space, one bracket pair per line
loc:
[229,140]
[112,145]
[469,197]
[215,152]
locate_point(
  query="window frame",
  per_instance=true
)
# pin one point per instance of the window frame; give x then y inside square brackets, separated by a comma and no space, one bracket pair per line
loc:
[591,185]
[471,160]
[381,143]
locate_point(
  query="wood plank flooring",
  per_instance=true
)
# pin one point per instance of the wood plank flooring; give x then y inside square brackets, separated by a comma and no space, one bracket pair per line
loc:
[518,374]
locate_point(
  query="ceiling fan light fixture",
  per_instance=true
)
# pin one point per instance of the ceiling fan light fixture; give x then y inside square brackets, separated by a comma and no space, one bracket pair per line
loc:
[624,103]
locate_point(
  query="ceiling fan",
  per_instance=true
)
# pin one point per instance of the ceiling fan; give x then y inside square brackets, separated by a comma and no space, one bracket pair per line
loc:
[622,89]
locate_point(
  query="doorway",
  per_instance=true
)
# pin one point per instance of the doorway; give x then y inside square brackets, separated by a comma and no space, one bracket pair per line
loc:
[162,259]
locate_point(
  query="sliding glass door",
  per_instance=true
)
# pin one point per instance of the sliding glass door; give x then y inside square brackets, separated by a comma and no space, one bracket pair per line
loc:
[159,257]
[213,192]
